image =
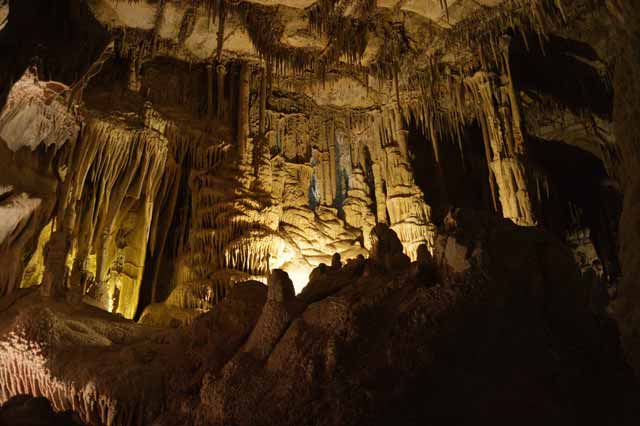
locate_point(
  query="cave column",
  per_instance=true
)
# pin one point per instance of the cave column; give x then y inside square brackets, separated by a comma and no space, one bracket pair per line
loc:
[401,134]
[221,72]
[245,143]
[325,175]
[381,196]
[261,152]
[58,248]
[80,262]
[502,126]
[243,113]
[263,101]
[103,262]
[80,268]
[333,172]
[134,83]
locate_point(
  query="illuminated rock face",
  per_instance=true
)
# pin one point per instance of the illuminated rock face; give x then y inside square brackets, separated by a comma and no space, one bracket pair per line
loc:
[35,114]
[271,188]
[290,198]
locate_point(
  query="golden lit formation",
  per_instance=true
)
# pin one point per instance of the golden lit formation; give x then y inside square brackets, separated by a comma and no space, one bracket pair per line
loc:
[319,212]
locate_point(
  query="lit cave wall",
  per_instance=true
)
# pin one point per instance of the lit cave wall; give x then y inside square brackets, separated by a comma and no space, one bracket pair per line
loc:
[212,210]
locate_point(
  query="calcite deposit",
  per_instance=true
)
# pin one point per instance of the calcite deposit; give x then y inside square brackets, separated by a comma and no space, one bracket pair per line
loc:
[322,212]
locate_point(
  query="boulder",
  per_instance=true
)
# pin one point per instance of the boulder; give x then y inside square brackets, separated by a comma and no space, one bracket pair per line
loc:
[279,310]
[386,248]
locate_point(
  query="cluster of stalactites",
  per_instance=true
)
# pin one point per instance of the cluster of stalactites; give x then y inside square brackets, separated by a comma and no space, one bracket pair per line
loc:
[195,153]
[484,27]
[227,232]
[36,113]
[497,109]
[441,104]
[115,169]
[379,150]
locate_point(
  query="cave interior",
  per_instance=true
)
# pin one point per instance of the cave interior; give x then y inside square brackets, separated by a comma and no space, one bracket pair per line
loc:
[319,212]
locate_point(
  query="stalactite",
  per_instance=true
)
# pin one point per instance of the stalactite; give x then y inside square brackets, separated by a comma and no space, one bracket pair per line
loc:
[35,114]
[111,162]
[222,14]
[159,21]
[498,112]
[187,25]
[263,100]
[243,114]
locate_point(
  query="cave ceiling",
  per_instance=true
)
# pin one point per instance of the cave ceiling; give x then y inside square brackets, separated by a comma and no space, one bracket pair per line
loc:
[364,54]
[350,38]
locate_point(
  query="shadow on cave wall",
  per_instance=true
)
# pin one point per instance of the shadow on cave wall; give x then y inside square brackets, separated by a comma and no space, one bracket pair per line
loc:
[63,40]
[566,69]
[459,180]
[571,73]
[579,179]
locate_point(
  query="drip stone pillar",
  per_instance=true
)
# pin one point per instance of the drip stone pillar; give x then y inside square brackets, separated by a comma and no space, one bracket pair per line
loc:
[263,101]
[59,246]
[401,134]
[243,112]
[81,260]
[245,144]
[221,72]
[325,167]
[502,126]
[333,173]
[262,157]
[381,196]
[134,76]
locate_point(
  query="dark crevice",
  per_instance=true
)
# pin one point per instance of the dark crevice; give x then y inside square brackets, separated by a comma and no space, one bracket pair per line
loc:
[579,179]
[568,70]
[63,39]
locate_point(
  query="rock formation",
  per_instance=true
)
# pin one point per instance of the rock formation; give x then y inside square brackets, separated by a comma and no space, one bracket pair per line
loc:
[310,211]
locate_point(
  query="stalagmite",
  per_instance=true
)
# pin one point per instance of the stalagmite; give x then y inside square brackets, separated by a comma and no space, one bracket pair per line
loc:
[244,147]
[358,206]
[332,182]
